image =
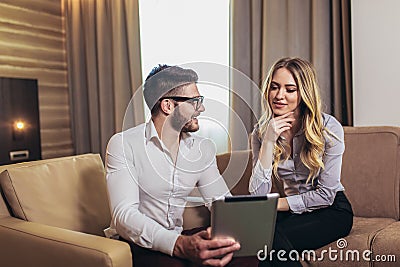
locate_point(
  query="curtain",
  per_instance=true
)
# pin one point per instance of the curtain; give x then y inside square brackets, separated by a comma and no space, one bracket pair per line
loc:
[342,104]
[248,59]
[104,69]
[319,31]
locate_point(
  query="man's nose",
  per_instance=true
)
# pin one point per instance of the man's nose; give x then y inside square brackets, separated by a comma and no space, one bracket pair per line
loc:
[202,108]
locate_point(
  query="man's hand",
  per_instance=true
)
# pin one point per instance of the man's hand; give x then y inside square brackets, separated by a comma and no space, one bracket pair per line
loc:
[199,248]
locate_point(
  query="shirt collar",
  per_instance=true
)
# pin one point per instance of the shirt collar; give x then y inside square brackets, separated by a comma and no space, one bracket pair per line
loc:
[187,139]
[151,132]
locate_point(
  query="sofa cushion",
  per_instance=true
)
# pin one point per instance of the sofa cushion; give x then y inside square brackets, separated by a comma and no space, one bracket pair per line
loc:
[370,171]
[196,216]
[235,167]
[66,192]
[385,246]
[360,239]
[4,212]
[3,207]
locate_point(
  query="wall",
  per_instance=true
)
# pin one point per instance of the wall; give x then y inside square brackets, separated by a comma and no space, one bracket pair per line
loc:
[376,62]
[32,45]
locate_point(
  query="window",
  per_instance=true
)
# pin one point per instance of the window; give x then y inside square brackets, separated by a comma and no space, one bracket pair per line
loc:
[193,34]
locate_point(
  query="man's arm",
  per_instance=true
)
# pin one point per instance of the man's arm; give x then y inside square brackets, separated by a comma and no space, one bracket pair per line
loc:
[211,184]
[199,247]
[123,193]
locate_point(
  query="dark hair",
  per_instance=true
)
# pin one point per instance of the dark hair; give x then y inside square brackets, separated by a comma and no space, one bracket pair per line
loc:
[164,80]
[156,70]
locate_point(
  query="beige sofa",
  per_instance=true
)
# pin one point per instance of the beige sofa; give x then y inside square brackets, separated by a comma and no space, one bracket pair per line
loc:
[371,176]
[52,212]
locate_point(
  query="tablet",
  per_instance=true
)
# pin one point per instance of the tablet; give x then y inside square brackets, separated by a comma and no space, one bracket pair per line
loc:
[248,219]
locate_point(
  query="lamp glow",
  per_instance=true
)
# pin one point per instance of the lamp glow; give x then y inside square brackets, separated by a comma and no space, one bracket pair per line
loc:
[19,125]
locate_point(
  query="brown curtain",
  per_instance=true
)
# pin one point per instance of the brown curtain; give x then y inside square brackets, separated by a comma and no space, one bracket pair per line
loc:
[248,58]
[103,50]
[342,101]
[319,31]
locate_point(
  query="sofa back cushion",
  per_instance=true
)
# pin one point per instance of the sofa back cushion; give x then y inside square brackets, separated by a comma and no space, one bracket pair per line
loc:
[3,207]
[67,192]
[4,210]
[371,170]
[236,169]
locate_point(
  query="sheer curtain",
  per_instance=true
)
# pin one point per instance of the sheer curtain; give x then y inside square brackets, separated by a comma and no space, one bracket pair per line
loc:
[104,69]
[319,31]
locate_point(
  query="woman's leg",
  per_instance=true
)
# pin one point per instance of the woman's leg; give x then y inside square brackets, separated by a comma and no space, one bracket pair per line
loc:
[318,228]
[310,230]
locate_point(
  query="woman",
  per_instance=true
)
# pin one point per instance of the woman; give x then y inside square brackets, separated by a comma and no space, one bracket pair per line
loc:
[296,144]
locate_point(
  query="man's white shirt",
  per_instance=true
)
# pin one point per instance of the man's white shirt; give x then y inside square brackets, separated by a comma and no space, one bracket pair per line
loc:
[148,192]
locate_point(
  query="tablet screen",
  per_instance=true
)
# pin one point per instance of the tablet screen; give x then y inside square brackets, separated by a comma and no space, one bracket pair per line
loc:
[248,219]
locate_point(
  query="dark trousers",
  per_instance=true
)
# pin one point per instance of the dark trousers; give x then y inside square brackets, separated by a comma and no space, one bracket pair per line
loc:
[310,230]
[142,257]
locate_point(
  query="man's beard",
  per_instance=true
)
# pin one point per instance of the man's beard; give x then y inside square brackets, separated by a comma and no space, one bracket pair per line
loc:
[190,127]
[181,124]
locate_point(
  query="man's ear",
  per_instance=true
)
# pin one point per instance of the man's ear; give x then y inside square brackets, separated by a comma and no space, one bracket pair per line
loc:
[167,106]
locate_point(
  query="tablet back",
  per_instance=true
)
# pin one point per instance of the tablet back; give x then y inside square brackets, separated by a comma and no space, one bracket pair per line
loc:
[250,220]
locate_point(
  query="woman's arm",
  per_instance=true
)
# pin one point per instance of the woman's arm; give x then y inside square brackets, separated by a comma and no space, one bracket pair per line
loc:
[263,153]
[260,180]
[329,178]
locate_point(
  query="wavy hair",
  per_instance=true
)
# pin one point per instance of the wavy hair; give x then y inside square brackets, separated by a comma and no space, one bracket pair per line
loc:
[310,111]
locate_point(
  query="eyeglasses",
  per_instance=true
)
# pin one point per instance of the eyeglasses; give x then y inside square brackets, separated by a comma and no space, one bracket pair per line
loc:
[197,101]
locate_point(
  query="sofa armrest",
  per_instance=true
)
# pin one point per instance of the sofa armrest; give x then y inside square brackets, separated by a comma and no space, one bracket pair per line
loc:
[25,243]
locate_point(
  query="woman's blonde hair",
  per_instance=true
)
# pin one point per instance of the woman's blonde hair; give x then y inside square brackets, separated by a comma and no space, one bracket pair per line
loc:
[310,111]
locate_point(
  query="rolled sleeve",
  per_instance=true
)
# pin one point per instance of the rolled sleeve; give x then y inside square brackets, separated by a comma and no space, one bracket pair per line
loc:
[296,204]
[260,180]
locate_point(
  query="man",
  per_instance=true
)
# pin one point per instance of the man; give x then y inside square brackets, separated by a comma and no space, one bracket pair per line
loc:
[152,168]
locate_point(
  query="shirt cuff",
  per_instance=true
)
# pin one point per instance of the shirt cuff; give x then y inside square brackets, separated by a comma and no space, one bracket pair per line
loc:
[296,204]
[164,241]
[261,172]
